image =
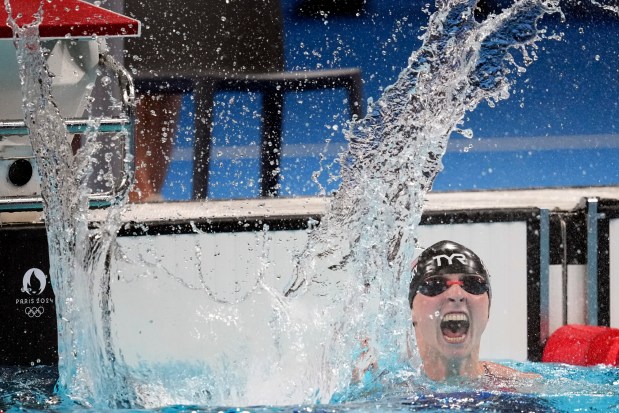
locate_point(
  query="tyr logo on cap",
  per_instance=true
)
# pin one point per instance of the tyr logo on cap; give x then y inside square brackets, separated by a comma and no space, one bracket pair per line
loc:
[460,257]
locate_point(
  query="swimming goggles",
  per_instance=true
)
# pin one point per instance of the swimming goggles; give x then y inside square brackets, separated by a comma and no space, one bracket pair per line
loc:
[435,285]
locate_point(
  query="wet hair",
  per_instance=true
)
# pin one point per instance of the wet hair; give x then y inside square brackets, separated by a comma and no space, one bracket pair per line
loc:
[442,258]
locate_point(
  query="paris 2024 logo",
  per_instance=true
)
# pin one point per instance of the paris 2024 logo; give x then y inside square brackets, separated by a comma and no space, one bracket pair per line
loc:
[34,284]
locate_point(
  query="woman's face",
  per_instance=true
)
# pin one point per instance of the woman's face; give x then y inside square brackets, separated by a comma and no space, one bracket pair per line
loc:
[449,325]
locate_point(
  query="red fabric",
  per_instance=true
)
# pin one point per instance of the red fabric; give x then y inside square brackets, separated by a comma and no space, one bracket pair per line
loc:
[74,18]
[583,346]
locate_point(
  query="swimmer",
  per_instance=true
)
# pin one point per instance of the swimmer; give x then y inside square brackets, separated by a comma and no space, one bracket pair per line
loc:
[450,298]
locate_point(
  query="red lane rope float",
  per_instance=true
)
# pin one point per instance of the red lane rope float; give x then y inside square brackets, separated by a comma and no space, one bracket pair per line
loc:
[583,346]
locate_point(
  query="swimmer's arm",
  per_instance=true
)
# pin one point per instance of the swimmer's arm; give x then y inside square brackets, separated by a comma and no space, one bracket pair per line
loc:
[366,362]
[507,373]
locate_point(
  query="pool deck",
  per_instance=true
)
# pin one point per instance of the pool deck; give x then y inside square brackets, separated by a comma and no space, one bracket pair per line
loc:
[563,199]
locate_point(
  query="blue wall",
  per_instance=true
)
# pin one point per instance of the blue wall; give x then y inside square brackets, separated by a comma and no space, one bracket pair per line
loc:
[559,128]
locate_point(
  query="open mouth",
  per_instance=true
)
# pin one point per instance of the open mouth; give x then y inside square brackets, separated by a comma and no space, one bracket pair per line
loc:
[455,327]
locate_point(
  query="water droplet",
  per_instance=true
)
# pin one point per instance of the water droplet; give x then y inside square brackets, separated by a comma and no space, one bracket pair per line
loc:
[106,80]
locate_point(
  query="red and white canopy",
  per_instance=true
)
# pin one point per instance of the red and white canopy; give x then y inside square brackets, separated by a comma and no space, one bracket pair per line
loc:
[68,19]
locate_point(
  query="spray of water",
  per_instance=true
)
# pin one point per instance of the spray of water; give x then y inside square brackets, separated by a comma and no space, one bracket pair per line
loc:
[90,372]
[393,157]
[609,5]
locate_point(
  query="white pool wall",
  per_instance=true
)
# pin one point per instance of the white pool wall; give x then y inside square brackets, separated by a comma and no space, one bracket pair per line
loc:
[158,319]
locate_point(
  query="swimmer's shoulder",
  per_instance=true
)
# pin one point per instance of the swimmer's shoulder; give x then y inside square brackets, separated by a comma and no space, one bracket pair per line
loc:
[501,372]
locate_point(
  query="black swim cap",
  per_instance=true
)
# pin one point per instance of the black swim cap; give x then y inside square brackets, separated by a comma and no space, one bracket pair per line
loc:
[445,257]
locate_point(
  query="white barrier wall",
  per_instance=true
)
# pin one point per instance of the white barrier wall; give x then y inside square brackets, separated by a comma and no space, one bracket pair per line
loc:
[173,292]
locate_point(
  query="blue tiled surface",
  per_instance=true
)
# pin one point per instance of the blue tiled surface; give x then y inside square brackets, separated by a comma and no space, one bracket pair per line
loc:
[559,128]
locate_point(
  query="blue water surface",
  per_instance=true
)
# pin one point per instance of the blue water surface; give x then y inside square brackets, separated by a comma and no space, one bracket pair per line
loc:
[565,389]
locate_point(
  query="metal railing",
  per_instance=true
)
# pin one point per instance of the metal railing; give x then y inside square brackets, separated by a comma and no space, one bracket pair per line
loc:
[273,87]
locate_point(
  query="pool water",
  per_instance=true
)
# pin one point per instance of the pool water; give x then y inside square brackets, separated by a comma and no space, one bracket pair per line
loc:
[562,388]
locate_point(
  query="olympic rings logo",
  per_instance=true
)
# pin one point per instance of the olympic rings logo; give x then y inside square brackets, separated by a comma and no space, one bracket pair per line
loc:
[33,312]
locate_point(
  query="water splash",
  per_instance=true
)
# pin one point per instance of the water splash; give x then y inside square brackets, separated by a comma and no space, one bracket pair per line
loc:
[90,372]
[611,6]
[393,157]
